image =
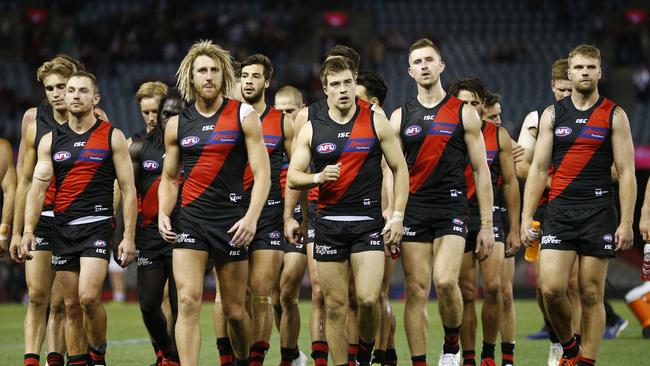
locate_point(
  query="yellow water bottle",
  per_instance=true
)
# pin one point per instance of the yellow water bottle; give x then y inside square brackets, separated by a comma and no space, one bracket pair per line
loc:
[532,252]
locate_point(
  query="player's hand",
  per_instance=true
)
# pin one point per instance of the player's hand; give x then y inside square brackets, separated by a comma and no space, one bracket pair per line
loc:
[527,233]
[513,243]
[165,228]
[126,252]
[329,174]
[484,243]
[13,247]
[244,231]
[518,153]
[27,244]
[392,232]
[624,237]
[5,234]
[293,231]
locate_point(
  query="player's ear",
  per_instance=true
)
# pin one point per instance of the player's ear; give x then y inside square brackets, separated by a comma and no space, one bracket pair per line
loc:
[442,66]
[374,100]
[267,83]
[410,71]
[96,99]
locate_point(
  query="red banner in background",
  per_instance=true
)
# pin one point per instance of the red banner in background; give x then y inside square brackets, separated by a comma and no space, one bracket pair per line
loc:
[642,157]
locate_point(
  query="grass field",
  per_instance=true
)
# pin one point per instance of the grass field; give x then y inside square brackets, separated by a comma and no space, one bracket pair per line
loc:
[128,344]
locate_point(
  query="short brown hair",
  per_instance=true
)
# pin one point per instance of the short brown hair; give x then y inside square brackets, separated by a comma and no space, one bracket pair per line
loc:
[87,75]
[347,52]
[55,66]
[424,43]
[151,89]
[585,50]
[259,59]
[559,69]
[336,64]
[492,98]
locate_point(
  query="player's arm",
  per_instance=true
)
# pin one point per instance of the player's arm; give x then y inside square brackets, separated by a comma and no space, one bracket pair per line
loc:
[168,188]
[395,160]
[298,176]
[36,195]
[124,175]
[478,160]
[25,171]
[510,191]
[526,141]
[258,159]
[538,174]
[644,221]
[9,193]
[300,121]
[623,150]
[291,197]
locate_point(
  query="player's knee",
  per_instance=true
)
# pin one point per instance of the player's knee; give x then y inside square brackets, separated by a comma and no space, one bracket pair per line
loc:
[89,303]
[72,310]
[38,298]
[367,304]
[573,289]
[506,298]
[234,314]
[445,287]
[57,308]
[552,292]
[468,291]
[492,289]
[590,296]
[189,302]
[416,291]
[287,300]
[336,309]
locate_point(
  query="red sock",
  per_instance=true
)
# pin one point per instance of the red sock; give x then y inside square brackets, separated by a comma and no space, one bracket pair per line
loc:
[226,355]
[419,360]
[55,359]
[586,361]
[352,354]
[319,352]
[258,352]
[32,359]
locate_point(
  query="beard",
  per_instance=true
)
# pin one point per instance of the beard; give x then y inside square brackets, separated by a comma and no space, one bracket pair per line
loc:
[585,89]
[253,98]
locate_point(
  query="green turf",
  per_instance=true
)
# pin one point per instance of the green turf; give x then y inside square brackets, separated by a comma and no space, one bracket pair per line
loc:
[131,348]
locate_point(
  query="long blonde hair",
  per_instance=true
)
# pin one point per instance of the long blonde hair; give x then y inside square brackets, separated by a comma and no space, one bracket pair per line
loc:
[215,52]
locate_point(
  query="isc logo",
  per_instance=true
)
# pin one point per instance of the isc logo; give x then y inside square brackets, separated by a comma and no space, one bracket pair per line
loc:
[343,134]
[208,128]
[581,121]
[80,144]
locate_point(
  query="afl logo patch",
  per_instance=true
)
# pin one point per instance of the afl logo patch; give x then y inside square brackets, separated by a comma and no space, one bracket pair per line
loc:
[190,141]
[563,131]
[275,235]
[326,148]
[150,165]
[100,244]
[608,238]
[61,156]
[412,130]
[457,221]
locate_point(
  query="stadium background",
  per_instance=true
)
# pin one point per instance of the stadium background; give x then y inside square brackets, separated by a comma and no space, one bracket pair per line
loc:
[510,44]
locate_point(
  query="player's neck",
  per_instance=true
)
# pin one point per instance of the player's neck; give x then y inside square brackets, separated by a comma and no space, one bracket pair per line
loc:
[82,122]
[208,107]
[342,116]
[582,101]
[431,96]
[60,116]
[259,106]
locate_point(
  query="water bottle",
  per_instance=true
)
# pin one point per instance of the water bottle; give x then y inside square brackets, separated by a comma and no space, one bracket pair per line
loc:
[645,270]
[532,252]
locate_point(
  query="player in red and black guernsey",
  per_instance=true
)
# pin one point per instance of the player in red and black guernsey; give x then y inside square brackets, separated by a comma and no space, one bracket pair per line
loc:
[8,179]
[581,135]
[317,330]
[212,140]
[154,254]
[84,157]
[41,281]
[499,159]
[346,147]
[267,248]
[438,132]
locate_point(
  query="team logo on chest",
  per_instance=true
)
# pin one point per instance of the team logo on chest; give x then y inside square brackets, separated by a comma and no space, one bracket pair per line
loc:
[150,165]
[61,156]
[190,141]
[223,137]
[412,130]
[326,148]
[271,141]
[491,154]
[94,155]
[442,128]
[563,131]
[596,133]
[359,144]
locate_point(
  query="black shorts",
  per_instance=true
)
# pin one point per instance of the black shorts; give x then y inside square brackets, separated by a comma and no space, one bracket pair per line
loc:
[268,235]
[71,242]
[209,237]
[311,223]
[43,233]
[588,232]
[540,213]
[152,251]
[426,227]
[470,241]
[336,240]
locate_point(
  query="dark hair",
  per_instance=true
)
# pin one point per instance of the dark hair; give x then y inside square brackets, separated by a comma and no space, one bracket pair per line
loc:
[158,134]
[374,84]
[492,98]
[424,43]
[347,52]
[87,75]
[336,64]
[236,66]
[471,84]
[259,59]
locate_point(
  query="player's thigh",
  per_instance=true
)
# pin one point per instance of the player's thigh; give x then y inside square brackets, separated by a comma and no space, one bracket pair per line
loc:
[448,256]
[368,269]
[333,278]
[492,267]
[38,273]
[417,260]
[555,269]
[189,269]
[265,268]
[232,282]
[92,273]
